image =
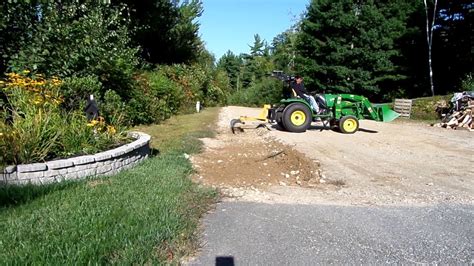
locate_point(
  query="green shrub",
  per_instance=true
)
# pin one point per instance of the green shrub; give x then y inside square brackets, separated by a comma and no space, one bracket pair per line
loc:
[266,91]
[198,83]
[113,109]
[217,91]
[191,80]
[468,83]
[175,89]
[76,90]
[425,108]
[168,94]
[154,99]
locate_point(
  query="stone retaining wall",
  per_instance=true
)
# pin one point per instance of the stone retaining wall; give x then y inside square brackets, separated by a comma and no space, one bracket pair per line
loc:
[104,163]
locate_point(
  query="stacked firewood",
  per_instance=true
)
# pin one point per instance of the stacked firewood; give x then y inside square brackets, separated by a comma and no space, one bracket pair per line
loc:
[461,118]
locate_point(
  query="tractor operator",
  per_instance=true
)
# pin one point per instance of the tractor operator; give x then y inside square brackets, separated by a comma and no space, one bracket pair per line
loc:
[299,89]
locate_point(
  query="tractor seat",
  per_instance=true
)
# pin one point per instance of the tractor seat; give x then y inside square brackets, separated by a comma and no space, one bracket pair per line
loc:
[321,101]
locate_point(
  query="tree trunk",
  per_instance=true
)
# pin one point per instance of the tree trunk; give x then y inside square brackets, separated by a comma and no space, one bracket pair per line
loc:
[429,39]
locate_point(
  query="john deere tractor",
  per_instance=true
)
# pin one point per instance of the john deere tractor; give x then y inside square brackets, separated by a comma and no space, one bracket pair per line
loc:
[342,111]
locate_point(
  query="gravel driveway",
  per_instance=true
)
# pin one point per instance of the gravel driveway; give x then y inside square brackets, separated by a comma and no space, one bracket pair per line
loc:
[407,196]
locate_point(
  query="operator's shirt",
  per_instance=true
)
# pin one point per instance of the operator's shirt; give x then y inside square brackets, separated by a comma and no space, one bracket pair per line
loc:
[299,89]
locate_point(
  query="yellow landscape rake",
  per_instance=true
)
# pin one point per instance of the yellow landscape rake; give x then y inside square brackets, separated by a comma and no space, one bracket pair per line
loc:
[250,122]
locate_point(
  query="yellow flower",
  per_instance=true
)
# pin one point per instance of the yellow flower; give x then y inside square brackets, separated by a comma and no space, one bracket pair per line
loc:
[111,130]
[57,101]
[92,123]
[26,71]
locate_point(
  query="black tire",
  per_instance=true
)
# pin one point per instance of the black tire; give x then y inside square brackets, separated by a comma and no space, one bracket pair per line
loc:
[281,125]
[348,124]
[296,117]
[279,118]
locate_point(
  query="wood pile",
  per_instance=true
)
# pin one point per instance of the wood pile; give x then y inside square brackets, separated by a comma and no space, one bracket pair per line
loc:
[462,118]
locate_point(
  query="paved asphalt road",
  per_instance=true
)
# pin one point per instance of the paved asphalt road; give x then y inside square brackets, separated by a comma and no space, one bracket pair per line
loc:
[277,234]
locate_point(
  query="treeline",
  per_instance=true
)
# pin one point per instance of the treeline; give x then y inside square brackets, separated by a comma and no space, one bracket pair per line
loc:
[143,58]
[374,48]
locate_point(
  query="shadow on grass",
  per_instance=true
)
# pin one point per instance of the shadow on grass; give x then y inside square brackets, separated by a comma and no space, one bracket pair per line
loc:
[154,152]
[12,195]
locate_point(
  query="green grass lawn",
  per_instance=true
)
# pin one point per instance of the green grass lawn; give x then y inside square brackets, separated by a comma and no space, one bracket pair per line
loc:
[148,214]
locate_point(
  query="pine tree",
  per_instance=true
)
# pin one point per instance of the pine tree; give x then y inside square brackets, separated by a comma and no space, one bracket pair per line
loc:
[231,64]
[284,50]
[257,49]
[349,46]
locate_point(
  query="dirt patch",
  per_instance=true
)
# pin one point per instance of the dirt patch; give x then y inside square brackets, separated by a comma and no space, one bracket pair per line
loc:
[254,163]
[251,160]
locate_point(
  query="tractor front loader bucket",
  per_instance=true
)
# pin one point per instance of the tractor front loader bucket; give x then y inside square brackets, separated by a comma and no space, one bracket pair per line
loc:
[385,113]
[249,122]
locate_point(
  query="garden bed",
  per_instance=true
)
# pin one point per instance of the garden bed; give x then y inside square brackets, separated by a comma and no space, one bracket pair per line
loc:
[104,163]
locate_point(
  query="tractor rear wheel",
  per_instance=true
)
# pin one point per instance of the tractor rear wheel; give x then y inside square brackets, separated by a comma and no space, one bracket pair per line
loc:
[296,117]
[349,124]
[279,119]
[281,125]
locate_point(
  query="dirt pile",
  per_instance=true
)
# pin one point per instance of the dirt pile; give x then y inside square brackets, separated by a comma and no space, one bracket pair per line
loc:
[252,161]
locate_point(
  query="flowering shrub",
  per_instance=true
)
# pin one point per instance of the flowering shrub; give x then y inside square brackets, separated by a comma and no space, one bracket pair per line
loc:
[34,128]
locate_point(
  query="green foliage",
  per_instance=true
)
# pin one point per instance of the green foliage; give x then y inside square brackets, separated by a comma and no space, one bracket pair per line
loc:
[91,39]
[198,83]
[37,129]
[468,83]
[76,90]
[259,47]
[175,89]
[231,64]
[114,109]
[248,75]
[425,108]
[34,133]
[257,64]
[166,31]
[284,50]
[15,21]
[218,89]
[266,91]
[187,45]
[347,46]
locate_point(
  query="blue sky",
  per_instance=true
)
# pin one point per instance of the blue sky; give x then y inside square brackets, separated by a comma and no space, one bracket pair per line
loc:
[231,24]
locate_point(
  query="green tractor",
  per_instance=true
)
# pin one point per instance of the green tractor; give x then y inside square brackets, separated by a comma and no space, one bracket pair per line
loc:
[342,111]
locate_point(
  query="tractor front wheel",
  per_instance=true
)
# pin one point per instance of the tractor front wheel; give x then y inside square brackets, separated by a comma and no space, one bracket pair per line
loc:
[296,117]
[349,124]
